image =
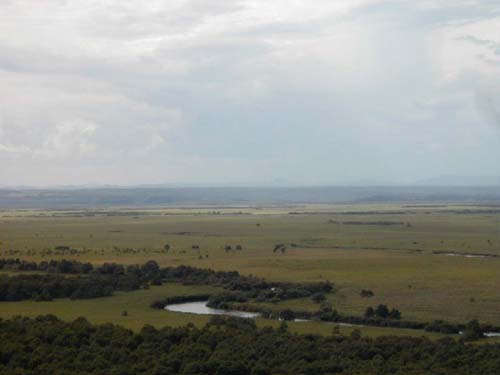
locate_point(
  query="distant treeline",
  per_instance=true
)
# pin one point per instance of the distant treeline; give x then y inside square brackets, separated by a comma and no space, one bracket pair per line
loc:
[225,346]
[53,266]
[109,277]
[380,222]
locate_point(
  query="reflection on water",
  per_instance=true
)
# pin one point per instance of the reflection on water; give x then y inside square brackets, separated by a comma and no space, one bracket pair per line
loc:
[202,308]
[466,255]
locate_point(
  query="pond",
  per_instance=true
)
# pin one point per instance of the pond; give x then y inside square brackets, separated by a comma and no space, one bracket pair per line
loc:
[201,307]
[465,255]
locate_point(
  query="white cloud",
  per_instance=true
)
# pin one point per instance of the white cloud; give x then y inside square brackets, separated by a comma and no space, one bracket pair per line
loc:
[203,90]
[74,119]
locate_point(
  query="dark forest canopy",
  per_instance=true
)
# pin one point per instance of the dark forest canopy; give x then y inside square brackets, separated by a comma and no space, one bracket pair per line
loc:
[103,280]
[225,346]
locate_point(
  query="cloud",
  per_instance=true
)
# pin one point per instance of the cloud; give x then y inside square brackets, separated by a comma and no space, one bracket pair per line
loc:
[199,91]
[75,119]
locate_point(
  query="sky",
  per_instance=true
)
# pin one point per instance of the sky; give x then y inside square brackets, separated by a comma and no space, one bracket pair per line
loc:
[320,92]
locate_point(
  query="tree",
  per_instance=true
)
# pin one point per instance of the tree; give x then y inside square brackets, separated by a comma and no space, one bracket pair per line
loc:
[394,314]
[382,311]
[472,331]
[232,368]
[150,267]
[366,293]
[287,314]
[279,247]
[336,330]
[356,334]
[369,312]
[283,327]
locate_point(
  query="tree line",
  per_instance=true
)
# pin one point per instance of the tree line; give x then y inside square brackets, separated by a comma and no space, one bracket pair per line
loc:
[98,281]
[225,346]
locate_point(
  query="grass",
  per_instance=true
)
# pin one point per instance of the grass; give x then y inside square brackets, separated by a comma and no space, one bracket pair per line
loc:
[139,313]
[109,309]
[395,261]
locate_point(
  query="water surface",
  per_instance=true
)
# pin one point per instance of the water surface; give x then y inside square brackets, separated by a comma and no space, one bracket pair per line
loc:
[201,307]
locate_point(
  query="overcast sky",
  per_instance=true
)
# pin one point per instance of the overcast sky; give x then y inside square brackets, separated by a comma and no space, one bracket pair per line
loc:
[202,91]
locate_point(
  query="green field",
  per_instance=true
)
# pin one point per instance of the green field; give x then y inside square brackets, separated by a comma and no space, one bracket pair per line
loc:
[139,313]
[389,249]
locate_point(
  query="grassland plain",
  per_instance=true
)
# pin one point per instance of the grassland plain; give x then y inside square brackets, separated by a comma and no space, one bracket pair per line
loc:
[139,313]
[390,249]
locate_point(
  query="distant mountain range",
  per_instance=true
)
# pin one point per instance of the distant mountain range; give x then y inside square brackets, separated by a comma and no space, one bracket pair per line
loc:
[461,181]
[450,180]
[170,196]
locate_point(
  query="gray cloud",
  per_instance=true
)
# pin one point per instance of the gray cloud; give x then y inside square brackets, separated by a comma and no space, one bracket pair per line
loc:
[134,92]
[490,44]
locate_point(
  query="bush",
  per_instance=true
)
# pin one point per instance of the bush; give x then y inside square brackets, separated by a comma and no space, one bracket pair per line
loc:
[366,293]
[472,331]
[287,314]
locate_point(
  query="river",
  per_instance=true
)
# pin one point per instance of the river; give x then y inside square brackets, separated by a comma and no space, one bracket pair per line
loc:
[201,307]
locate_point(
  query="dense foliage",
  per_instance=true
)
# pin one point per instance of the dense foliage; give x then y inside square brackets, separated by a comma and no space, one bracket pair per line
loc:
[85,280]
[112,276]
[383,312]
[47,287]
[225,346]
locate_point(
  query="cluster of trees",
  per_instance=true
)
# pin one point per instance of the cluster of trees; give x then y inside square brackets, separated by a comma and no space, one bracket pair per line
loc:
[472,330]
[382,317]
[113,276]
[49,252]
[45,287]
[48,287]
[383,312]
[222,300]
[259,290]
[229,248]
[53,266]
[91,282]
[263,290]
[366,293]
[279,247]
[380,222]
[225,346]
[251,286]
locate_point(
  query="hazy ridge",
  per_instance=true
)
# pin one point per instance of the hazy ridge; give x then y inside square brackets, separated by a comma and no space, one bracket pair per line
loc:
[137,197]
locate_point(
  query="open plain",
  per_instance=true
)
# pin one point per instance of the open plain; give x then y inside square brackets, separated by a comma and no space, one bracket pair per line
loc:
[431,262]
